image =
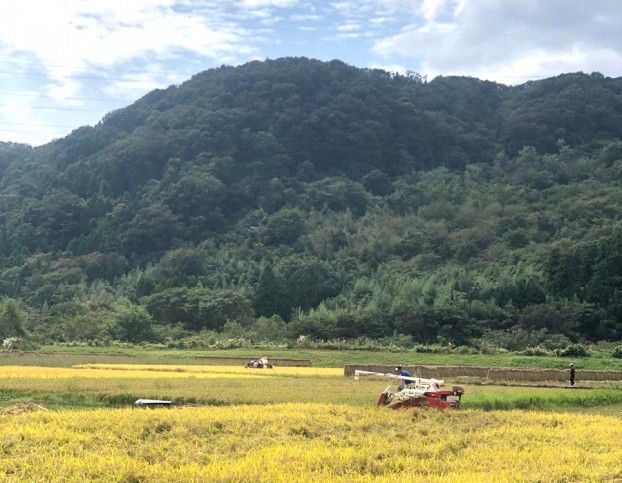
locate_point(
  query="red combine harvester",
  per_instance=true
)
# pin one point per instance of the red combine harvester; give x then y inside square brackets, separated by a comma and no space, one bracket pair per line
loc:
[417,392]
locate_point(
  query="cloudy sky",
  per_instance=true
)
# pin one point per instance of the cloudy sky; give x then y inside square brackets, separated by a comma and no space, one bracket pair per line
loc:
[66,63]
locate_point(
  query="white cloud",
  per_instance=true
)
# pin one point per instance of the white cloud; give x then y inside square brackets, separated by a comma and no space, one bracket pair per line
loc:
[494,39]
[74,53]
[431,8]
[82,49]
[114,31]
[268,3]
[299,17]
[349,27]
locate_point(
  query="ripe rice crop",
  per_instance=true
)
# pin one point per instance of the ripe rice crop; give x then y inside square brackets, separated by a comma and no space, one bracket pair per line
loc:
[214,385]
[128,372]
[99,385]
[308,442]
[194,369]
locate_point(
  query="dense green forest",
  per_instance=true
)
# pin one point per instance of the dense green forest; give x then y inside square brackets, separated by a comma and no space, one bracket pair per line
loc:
[296,198]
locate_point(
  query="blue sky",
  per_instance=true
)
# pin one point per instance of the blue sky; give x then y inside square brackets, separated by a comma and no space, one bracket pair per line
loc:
[66,63]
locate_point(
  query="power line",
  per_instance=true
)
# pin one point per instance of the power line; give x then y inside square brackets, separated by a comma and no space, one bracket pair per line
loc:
[94,69]
[159,74]
[55,108]
[33,124]
[47,96]
[11,131]
[37,74]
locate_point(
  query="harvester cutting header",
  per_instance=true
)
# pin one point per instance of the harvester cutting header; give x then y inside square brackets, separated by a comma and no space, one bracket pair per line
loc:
[416,392]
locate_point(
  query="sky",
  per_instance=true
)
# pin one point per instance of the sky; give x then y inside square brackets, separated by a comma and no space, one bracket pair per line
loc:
[66,63]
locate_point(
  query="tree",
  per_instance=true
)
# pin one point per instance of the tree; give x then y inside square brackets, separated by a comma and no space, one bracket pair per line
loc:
[199,308]
[11,320]
[268,294]
[338,194]
[333,174]
[308,282]
[130,323]
[153,228]
[285,226]
[269,329]
[378,183]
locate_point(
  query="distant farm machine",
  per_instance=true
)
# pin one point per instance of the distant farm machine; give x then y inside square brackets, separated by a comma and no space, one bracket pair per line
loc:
[417,392]
[259,364]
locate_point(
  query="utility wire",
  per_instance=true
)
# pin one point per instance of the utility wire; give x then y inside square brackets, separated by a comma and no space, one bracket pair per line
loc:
[55,108]
[70,76]
[33,124]
[33,132]
[96,69]
[47,96]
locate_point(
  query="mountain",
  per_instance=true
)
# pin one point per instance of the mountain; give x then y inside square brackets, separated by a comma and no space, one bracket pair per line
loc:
[296,197]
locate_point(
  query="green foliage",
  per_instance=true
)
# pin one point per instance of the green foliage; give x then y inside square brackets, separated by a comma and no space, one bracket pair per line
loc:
[519,339]
[378,183]
[233,329]
[285,227]
[130,323]
[617,352]
[574,350]
[199,308]
[11,320]
[269,329]
[294,197]
[269,294]
[337,194]
[76,320]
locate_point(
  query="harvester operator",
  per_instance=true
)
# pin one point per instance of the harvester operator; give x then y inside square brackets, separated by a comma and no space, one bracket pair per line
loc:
[404,373]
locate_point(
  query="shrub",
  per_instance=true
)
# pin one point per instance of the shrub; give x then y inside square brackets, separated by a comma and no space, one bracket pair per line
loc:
[574,350]
[466,350]
[617,352]
[537,351]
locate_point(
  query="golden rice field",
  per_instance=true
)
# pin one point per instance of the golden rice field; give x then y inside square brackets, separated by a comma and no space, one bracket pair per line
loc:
[157,371]
[308,442]
[99,385]
[194,369]
[214,385]
[288,424]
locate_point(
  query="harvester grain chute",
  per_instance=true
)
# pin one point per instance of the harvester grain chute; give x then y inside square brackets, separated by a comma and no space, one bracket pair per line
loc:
[153,403]
[417,392]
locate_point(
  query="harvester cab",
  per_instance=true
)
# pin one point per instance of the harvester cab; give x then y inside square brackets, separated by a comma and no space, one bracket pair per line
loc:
[417,392]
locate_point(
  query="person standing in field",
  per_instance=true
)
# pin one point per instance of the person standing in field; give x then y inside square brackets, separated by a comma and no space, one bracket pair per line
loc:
[572,375]
[404,373]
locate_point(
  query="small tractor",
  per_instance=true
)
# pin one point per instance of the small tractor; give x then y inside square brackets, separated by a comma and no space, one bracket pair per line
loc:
[417,392]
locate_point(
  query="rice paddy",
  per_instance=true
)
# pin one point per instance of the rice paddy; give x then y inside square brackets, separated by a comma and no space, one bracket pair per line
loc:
[293,424]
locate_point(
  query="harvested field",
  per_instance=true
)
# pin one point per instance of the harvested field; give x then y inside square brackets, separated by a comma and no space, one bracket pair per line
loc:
[494,374]
[231,360]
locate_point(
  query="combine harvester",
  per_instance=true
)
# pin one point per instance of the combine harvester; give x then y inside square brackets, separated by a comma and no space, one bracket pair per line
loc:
[259,364]
[417,392]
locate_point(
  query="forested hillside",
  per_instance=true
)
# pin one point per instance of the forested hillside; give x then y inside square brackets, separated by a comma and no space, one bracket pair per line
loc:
[294,197]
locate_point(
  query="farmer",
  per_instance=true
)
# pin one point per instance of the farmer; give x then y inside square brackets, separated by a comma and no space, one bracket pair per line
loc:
[404,373]
[572,375]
